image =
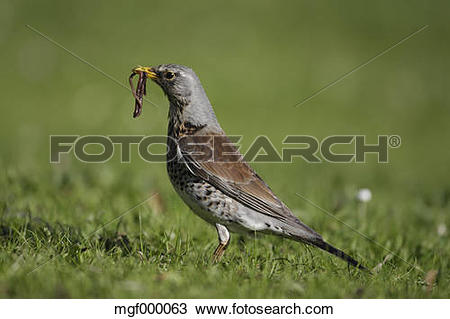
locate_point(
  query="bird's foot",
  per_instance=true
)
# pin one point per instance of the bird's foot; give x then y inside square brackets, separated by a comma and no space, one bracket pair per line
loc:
[218,253]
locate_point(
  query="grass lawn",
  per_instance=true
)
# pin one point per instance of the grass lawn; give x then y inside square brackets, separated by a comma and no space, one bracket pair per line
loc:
[71,230]
[161,249]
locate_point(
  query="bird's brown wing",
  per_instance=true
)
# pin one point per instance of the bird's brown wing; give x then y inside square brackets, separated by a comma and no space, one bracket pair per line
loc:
[226,170]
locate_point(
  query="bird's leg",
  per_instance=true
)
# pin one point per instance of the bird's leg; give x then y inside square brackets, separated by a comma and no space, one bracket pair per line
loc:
[224,239]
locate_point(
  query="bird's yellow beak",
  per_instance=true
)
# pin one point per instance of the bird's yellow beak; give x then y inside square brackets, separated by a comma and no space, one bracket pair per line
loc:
[150,72]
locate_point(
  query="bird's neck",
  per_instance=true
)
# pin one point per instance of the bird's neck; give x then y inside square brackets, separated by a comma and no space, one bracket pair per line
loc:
[180,126]
[189,119]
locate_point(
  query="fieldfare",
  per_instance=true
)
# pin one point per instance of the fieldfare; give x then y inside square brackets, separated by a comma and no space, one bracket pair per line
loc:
[209,173]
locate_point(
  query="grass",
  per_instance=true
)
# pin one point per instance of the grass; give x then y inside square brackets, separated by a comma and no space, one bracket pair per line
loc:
[52,244]
[256,60]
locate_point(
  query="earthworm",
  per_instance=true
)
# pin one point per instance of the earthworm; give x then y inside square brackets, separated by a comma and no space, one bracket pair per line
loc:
[139,92]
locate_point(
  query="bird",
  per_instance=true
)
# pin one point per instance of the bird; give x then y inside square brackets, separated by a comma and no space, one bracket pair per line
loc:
[212,177]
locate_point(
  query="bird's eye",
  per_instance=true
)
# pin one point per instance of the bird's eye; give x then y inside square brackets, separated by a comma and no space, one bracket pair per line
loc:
[169,75]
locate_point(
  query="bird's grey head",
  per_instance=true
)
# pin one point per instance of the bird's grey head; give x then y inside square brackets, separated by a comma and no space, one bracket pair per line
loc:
[187,97]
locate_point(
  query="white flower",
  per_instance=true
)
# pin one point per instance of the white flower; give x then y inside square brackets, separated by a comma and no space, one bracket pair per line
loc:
[441,229]
[364,195]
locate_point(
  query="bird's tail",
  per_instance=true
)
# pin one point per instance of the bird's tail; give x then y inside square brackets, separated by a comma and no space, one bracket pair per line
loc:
[302,233]
[320,243]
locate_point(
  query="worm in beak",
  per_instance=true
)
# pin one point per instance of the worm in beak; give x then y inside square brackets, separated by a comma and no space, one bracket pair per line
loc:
[139,92]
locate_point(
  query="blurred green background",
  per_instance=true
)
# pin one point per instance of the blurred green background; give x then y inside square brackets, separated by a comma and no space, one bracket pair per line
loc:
[256,59]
